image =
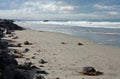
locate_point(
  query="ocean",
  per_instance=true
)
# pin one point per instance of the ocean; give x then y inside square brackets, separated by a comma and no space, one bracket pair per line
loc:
[101,32]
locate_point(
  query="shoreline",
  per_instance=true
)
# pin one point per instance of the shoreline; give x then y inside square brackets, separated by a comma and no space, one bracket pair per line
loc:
[99,37]
[82,38]
[65,60]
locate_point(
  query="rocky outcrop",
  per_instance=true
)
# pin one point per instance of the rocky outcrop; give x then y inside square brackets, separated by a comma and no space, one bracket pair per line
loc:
[9,68]
[9,25]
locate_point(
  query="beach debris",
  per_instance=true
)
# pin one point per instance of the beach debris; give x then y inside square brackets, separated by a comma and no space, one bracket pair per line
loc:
[27,43]
[14,45]
[41,66]
[11,35]
[42,61]
[11,45]
[80,44]
[26,65]
[90,71]
[8,32]
[26,50]
[16,37]
[27,58]
[19,45]
[15,50]
[63,43]
[30,66]
[33,57]
[17,54]
[57,78]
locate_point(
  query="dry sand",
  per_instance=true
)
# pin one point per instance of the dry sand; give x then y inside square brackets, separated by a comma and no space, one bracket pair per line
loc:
[66,60]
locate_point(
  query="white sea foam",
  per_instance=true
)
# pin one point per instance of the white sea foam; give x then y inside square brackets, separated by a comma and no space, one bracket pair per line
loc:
[80,23]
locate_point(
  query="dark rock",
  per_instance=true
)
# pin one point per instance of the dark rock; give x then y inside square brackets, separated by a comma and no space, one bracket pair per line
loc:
[23,74]
[15,50]
[57,78]
[8,32]
[27,74]
[9,71]
[14,45]
[63,43]
[80,44]
[90,71]
[8,64]
[41,66]
[40,77]
[25,66]
[26,50]
[3,44]
[29,66]
[27,58]
[16,37]
[27,43]
[11,45]
[42,72]
[9,25]
[42,61]
[33,57]
[6,60]
[18,55]
[1,32]
[45,20]
[34,67]
[19,45]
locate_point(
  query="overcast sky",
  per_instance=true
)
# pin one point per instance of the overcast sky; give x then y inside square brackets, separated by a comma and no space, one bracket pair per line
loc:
[60,9]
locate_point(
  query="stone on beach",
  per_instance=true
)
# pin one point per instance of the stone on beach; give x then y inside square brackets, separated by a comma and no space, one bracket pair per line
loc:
[90,71]
[26,50]
[18,55]
[63,43]
[16,37]
[42,61]
[14,45]
[27,43]
[80,44]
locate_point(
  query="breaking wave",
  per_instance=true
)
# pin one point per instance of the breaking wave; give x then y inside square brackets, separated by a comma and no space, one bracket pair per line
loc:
[80,23]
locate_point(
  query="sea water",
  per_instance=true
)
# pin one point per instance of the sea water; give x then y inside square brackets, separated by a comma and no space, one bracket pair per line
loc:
[101,32]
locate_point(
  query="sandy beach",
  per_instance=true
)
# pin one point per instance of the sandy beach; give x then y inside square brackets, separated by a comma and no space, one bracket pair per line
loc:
[65,57]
